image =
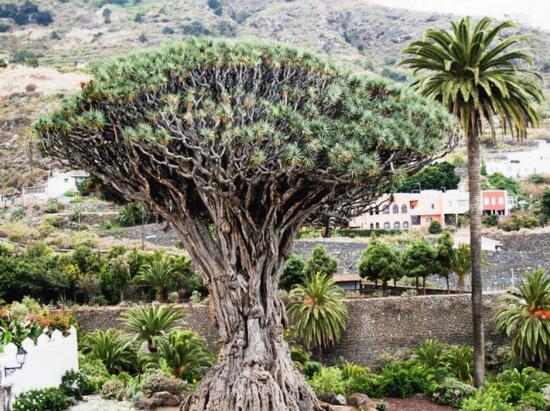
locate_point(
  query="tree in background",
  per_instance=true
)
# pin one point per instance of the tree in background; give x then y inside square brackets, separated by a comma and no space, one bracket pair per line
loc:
[318,312]
[420,260]
[157,274]
[293,272]
[438,176]
[545,204]
[381,262]
[250,140]
[461,264]
[480,74]
[435,227]
[320,261]
[445,253]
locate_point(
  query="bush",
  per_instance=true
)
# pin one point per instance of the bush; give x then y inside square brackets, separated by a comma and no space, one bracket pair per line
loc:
[195,28]
[76,384]
[517,222]
[114,389]
[168,30]
[311,368]
[328,379]
[138,18]
[160,382]
[47,399]
[452,392]
[4,28]
[404,380]
[490,220]
[43,18]
[435,228]
[53,206]
[486,400]
[131,214]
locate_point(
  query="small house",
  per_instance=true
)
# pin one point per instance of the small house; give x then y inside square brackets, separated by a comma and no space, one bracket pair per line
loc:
[349,282]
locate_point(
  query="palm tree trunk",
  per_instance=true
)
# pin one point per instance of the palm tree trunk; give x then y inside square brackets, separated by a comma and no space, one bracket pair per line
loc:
[460,283]
[158,294]
[474,182]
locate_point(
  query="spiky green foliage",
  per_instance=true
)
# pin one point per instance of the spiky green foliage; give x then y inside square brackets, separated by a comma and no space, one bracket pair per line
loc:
[478,73]
[380,262]
[148,322]
[430,353]
[245,110]
[157,273]
[318,312]
[185,353]
[113,348]
[526,319]
[459,360]
[461,264]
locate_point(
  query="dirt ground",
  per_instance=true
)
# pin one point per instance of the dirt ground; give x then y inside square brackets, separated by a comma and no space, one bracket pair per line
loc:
[406,404]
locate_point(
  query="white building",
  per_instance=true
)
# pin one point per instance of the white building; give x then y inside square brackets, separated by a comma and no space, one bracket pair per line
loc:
[521,164]
[60,183]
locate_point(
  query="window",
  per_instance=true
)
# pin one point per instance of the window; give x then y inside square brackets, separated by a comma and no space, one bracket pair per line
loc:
[396,225]
[405,224]
[371,226]
[493,200]
[395,209]
[387,225]
[501,200]
[433,206]
[66,180]
[415,220]
[486,200]
[428,219]
[386,209]
[404,209]
[377,211]
[377,225]
[370,211]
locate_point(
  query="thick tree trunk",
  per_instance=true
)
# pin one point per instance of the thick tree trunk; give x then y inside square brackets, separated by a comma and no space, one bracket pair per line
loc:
[460,283]
[254,370]
[474,182]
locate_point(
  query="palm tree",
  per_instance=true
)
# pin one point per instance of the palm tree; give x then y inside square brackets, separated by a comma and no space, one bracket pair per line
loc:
[479,76]
[157,274]
[185,353]
[525,320]
[461,264]
[318,312]
[113,348]
[152,321]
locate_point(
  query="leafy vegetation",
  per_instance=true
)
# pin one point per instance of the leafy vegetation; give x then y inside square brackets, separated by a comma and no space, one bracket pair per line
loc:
[438,176]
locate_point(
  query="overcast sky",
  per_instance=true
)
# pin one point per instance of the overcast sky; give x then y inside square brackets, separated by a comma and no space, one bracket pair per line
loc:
[533,12]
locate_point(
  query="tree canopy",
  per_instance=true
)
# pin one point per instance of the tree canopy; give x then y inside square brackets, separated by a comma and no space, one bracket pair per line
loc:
[433,177]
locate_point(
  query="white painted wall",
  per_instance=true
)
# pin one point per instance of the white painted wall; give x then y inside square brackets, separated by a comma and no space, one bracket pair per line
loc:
[59,183]
[46,363]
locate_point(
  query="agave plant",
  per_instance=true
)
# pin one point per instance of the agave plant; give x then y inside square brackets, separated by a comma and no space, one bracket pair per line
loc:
[526,319]
[430,353]
[157,273]
[185,353]
[318,312]
[113,348]
[152,321]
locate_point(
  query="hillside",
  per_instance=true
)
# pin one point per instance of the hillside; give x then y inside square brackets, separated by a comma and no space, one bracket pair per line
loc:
[353,32]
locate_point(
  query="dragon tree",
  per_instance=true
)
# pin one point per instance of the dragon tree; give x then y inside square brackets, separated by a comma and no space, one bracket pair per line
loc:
[237,144]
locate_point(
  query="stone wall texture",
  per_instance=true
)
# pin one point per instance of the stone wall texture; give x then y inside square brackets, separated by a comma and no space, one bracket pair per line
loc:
[375,325]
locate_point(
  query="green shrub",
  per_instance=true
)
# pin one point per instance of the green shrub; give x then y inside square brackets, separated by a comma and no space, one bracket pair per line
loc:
[47,399]
[53,206]
[435,228]
[328,379]
[76,384]
[490,220]
[486,400]
[459,360]
[405,379]
[160,382]
[131,214]
[430,353]
[3,63]
[453,392]
[517,222]
[311,368]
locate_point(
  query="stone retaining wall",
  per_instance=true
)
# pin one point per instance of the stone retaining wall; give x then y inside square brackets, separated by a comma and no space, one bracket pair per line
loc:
[375,325]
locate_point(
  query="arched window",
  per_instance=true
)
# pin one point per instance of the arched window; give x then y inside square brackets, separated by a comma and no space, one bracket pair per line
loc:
[405,224]
[371,226]
[386,209]
[395,209]
[387,225]
[396,225]
[404,209]
[377,225]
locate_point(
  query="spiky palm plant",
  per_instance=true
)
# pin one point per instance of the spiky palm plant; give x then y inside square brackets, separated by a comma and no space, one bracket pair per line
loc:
[157,274]
[185,353]
[526,319]
[152,321]
[318,312]
[461,264]
[480,76]
[430,353]
[113,348]
[459,360]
